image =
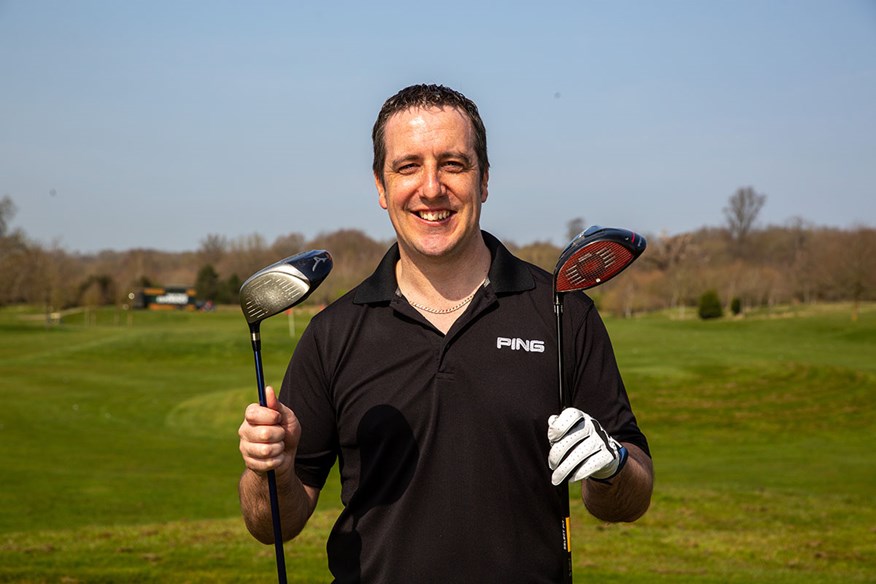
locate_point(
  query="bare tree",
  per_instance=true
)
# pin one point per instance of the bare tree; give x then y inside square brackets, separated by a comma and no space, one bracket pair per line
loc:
[854,265]
[541,253]
[246,254]
[671,255]
[574,227]
[7,212]
[12,250]
[800,264]
[741,212]
[286,245]
[213,248]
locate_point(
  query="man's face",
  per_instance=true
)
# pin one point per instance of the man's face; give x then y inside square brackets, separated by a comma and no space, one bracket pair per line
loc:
[432,185]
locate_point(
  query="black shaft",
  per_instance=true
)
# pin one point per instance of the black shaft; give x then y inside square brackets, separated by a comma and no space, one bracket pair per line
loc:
[278,531]
[563,488]
[272,477]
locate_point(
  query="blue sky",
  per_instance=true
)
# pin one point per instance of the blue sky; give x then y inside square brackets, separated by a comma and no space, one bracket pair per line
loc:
[153,124]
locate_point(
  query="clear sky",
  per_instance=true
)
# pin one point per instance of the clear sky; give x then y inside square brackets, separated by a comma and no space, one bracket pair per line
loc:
[155,123]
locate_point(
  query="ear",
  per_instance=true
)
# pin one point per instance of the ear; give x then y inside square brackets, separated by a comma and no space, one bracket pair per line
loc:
[381,191]
[484,189]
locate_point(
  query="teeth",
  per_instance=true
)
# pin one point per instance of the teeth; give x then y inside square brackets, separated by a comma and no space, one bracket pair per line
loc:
[434,215]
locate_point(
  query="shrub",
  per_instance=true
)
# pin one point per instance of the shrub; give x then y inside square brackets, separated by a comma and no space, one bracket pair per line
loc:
[736,306]
[710,305]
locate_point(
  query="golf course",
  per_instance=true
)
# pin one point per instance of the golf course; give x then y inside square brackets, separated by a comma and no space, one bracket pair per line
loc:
[119,460]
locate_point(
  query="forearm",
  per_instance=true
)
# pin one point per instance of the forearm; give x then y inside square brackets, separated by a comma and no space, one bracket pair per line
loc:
[296,504]
[629,494]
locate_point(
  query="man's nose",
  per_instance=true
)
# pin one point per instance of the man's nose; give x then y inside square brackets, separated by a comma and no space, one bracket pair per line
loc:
[432,186]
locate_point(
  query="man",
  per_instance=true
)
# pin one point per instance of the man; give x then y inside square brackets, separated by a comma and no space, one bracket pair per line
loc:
[444,432]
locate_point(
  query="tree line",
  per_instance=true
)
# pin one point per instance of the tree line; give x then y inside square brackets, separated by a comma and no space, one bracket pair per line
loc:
[742,264]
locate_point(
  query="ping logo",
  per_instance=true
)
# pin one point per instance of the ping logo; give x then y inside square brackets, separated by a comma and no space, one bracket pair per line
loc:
[520,345]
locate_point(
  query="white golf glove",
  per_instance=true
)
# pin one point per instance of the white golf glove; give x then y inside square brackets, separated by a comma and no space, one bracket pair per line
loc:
[581,448]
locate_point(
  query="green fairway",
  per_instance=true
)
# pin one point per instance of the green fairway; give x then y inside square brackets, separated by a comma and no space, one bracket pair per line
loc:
[118,450]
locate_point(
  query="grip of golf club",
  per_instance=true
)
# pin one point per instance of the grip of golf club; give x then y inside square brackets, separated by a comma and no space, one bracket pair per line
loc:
[272,476]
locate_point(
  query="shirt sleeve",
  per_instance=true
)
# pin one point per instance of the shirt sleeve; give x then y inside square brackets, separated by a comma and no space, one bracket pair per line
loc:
[597,386]
[307,392]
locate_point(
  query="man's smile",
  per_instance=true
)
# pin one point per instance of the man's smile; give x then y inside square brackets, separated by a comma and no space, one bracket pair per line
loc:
[439,215]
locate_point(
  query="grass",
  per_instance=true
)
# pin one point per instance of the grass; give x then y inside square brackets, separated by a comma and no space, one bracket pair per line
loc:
[119,450]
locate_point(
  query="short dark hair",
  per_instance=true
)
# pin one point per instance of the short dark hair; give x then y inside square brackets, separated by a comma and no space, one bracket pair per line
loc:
[426,96]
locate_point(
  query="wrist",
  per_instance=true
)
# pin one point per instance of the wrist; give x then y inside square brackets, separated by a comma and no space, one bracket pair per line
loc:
[623,455]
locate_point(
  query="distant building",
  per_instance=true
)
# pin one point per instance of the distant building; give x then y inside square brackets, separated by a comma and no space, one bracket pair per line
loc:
[165,298]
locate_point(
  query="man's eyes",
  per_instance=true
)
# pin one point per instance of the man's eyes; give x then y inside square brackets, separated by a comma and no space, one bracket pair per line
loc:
[447,165]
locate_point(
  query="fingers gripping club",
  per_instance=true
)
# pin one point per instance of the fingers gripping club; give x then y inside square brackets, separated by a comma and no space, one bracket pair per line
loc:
[581,448]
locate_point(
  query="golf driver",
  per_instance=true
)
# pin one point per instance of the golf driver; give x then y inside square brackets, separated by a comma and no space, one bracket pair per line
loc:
[593,257]
[270,291]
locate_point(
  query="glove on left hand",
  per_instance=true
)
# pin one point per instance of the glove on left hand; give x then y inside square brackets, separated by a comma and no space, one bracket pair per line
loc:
[581,448]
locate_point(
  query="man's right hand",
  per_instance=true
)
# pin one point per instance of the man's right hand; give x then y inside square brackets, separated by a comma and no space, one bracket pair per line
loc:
[269,436]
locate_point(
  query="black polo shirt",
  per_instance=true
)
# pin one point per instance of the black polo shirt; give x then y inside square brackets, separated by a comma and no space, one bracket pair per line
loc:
[442,439]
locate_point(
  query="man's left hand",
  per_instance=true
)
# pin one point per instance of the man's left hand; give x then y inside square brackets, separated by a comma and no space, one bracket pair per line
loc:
[581,448]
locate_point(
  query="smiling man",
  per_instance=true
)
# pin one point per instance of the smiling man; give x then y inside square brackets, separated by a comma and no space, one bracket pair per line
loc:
[433,385]
[432,184]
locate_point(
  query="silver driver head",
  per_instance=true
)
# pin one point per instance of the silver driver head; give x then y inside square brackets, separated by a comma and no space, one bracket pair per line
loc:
[283,284]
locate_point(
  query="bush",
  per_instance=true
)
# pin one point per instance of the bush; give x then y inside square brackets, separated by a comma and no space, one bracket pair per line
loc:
[710,305]
[736,306]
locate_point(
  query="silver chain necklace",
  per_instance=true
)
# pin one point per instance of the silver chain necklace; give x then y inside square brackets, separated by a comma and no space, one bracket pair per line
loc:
[464,301]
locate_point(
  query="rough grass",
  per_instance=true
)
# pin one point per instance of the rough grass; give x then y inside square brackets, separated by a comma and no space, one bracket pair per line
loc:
[119,452]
